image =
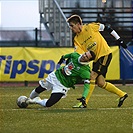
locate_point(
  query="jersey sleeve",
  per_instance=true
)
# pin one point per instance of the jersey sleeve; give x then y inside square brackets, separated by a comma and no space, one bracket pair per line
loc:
[86,88]
[67,56]
[86,76]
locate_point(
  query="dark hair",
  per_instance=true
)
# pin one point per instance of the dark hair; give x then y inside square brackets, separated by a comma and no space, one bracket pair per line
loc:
[75,19]
[93,55]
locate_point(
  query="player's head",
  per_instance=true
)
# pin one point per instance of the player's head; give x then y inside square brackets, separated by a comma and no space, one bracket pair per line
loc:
[87,56]
[75,19]
[75,23]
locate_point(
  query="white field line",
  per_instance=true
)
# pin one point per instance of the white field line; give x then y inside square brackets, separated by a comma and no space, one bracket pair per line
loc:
[19,109]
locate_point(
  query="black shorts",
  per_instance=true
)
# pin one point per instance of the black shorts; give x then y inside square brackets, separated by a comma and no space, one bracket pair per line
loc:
[101,66]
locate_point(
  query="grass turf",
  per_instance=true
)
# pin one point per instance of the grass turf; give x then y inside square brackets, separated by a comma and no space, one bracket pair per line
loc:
[101,116]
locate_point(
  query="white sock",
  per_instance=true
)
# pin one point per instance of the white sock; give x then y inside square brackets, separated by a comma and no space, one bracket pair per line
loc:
[42,102]
[33,94]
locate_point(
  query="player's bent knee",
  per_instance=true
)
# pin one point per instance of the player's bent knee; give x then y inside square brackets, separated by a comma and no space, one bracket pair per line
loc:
[49,104]
[39,89]
[54,98]
[100,84]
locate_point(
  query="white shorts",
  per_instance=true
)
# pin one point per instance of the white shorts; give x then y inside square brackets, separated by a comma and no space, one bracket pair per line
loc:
[52,83]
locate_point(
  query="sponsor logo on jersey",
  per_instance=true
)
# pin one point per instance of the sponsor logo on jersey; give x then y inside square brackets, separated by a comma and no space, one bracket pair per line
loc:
[90,46]
[68,68]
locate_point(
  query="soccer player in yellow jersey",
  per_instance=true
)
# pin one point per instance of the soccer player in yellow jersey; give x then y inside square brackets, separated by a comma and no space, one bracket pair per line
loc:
[88,37]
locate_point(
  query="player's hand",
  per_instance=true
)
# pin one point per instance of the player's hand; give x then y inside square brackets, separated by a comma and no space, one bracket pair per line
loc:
[120,42]
[83,100]
[61,60]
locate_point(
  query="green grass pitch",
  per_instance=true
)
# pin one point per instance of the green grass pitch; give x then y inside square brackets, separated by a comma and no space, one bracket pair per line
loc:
[101,115]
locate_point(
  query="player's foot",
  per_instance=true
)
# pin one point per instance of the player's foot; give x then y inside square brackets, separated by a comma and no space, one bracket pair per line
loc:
[79,105]
[33,101]
[28,100]
[121,100]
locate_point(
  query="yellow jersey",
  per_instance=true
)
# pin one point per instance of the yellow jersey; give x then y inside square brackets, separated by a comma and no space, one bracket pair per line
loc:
[91,39]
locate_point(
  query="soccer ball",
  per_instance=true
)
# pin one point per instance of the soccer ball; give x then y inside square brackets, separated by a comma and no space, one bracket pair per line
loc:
[21,102]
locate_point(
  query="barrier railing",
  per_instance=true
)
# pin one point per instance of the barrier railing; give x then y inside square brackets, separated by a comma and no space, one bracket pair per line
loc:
[55,22]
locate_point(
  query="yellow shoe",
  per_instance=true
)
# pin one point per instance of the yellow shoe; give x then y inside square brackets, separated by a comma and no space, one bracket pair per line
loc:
[79,105]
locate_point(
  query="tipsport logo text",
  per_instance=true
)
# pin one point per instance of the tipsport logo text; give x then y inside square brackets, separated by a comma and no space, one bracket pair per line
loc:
[18,67]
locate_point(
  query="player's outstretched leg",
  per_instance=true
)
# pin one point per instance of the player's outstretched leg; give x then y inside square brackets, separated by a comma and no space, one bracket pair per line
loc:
[113,89]
[37,91]
[35,100]
[54,98]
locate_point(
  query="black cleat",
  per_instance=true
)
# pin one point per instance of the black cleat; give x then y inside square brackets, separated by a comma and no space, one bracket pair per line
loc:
[121,100]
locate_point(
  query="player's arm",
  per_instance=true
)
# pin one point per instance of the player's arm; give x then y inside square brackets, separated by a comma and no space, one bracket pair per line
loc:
[86,88]
[63,57]
[85,92]
[108,28]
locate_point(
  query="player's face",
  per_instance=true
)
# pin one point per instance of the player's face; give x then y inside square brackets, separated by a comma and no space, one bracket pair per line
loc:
[86,57]
[75,27]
